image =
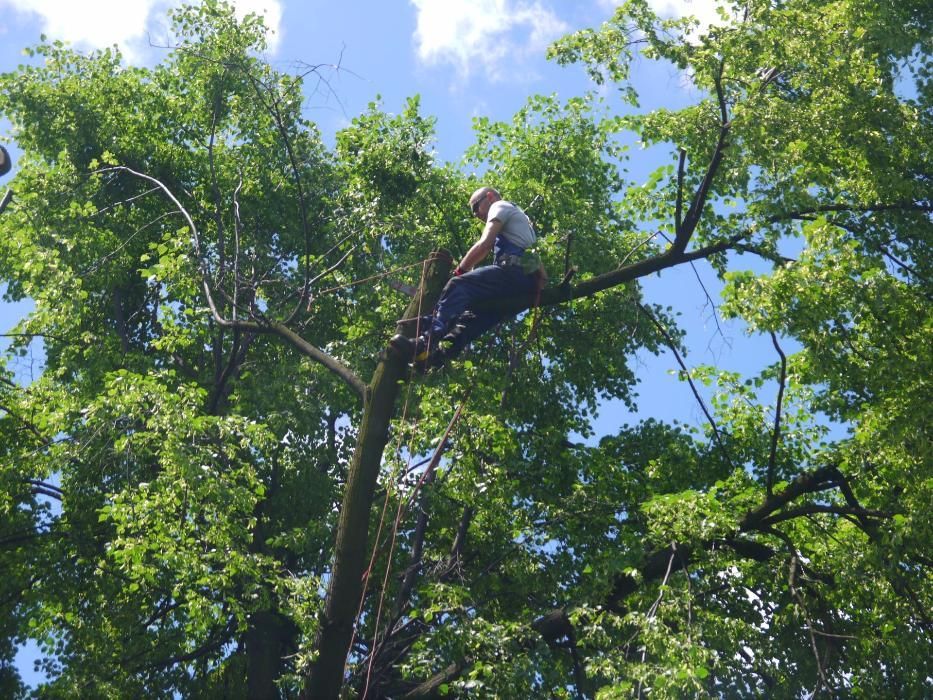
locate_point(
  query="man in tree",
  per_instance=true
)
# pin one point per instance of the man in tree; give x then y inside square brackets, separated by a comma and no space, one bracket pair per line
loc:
[5,162]
[456,322]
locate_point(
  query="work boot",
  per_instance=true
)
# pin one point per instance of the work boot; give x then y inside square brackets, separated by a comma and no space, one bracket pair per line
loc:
[462,321]
[403,346]
[424,346]
[415,350]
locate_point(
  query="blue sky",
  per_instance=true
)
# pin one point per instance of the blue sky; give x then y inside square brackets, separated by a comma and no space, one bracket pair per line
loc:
[464,58]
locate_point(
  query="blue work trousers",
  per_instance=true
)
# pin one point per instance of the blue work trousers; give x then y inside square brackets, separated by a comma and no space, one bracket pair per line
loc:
[482,284]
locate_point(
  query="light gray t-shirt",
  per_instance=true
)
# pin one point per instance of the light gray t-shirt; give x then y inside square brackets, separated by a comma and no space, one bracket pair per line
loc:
[516,228]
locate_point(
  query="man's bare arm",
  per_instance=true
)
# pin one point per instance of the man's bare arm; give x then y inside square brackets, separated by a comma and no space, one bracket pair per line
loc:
[481,248]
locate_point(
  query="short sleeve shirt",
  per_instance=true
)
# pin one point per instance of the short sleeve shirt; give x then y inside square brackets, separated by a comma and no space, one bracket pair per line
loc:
[516,234]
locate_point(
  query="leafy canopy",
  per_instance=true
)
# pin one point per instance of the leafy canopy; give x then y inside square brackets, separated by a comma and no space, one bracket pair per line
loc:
[214,289]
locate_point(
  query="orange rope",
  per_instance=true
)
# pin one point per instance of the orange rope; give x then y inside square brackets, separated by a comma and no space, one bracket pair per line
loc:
[402,508]
[385,505]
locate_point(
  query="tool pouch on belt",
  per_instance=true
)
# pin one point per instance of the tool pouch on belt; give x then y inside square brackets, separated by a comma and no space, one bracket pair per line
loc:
[532,265]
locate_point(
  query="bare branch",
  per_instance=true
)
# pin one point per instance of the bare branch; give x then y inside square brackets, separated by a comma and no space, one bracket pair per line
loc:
[272,106]
[278,329]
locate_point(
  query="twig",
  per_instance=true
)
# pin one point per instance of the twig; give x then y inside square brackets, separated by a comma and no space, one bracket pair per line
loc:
[709,297]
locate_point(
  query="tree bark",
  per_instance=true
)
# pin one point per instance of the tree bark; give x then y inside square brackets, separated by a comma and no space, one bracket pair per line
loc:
[270,637]
[345,588]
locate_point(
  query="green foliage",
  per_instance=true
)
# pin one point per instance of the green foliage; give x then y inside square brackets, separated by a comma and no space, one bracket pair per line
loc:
[171,485]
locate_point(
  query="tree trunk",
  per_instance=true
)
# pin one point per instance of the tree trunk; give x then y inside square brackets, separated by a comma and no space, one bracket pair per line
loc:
[345,589]
[269,639]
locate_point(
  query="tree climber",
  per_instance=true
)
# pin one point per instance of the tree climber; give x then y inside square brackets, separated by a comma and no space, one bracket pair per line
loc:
[5,162]
[515,271]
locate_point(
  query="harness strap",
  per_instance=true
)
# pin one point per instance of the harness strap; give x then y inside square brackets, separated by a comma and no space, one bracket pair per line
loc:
[506,260]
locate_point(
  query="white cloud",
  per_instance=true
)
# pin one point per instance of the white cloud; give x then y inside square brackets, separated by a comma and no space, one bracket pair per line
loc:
[476,34]
[703,10]
[127,23]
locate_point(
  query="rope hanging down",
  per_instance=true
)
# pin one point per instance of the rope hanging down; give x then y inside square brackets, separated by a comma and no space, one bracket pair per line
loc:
[402,509]
[385,505]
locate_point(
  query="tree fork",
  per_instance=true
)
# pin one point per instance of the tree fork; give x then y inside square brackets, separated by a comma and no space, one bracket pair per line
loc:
[345,589]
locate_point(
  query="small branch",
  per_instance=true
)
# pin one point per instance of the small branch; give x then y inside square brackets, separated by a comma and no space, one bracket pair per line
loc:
[567,267]
[29,425]
[330,269]
[652,611]
[776,432]
[709,298]
[279,329]
[791,581]
[237,231]
[579,672]
[215,187]
[272,106]
[900,263]
[195,236]
[766,254]
[456,549]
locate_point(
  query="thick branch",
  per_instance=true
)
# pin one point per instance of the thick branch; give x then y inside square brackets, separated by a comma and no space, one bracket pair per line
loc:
[776,432]
[809,482]
[303,346]
[685,231]
[431,688]
[655,563]
[5,202]
[614,278]
[814,508]
[345,588]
